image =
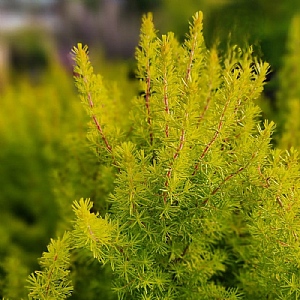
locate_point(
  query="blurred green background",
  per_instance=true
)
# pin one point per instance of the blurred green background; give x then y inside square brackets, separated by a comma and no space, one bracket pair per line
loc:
[45,162]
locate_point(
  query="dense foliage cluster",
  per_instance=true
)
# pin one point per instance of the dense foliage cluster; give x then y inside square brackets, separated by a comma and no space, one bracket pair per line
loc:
[201,207]
[183,195]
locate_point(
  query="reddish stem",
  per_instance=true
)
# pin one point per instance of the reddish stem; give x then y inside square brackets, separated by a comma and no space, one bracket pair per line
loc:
[182,136]
[226,179]
[147,102]
[214,138]
[189,68]
[175,156]
[208,99]
[49,276]
[166,101]
[108,147]
[99,128]
[90,100]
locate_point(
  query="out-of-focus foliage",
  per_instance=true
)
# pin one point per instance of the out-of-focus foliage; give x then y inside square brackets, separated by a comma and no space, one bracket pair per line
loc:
[138,5]
[288,98]
[43,152]
[34,119]
[261,22]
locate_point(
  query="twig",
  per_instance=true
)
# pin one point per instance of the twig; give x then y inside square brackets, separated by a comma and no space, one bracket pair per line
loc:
[166,101]
[147,103]
[220,125]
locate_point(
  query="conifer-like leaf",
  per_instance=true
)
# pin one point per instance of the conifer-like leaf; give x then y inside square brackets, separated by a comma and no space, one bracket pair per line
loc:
[90,230]
[95,98]
[53,281]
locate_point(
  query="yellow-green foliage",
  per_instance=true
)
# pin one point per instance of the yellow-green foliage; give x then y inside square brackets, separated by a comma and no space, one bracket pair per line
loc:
[201,206]
[44,154]
[33,121]
[288,100]
[55,285]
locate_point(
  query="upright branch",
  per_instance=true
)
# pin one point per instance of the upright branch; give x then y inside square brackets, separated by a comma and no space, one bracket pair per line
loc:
[52,282]
[88,85]
[145,54]
[194,43]
[208,99]
[175,156]
[147,102]
[193,49]
[215,136]
[99,128]
[213,72]
[168,74]
[166,102]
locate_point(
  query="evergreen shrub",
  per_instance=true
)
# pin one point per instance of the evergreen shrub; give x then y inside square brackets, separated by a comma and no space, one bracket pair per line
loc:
[201,206]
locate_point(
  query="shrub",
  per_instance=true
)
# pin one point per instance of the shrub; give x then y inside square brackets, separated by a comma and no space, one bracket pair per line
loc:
[201,206]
